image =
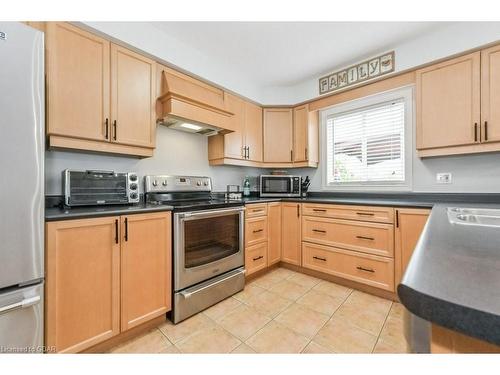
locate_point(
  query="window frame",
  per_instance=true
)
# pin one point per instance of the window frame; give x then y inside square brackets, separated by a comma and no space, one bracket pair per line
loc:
[405,93]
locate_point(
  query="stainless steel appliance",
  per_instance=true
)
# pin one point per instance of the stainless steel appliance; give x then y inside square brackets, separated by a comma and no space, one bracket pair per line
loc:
[208,248]
[417,332]
[95,187]
[280,186]
[21,188]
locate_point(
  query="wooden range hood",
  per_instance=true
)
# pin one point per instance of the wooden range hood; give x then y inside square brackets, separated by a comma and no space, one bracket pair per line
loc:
[188,104]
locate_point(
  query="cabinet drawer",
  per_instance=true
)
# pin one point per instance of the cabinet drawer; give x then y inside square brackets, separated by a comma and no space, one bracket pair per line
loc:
[255,258]
[258,209]
[255,230]
[367,269]
[363,213]
[372,238]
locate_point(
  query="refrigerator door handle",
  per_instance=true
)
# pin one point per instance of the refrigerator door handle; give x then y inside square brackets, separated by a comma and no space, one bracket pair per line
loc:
[27,302]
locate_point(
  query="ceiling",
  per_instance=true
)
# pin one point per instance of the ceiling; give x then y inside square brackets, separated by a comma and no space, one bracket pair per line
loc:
[286,53]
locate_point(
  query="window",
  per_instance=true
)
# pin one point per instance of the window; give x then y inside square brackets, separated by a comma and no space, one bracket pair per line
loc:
[368,143]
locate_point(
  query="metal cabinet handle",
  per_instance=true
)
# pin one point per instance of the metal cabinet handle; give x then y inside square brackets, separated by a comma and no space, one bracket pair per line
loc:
[114,127]
[257,210]
[291,155]
[365,213]
[126,229]
[248,152]
[298,210]
[244,152]
[486,130]
[365,269]
[319,231]
[258,230]
[319,258]
[319,210]
[259,257]
[365,238]
[20,305]
[475,132]
[306,154]
[116,231]
[107,129]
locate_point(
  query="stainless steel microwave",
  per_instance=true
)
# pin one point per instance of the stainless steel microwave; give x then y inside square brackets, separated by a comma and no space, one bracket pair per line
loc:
[280,186]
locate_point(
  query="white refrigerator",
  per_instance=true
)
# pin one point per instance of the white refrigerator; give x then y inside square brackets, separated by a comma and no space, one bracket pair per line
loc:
[22,145]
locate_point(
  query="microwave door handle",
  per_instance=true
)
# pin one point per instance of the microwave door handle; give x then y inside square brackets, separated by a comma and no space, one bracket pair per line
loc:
[97,171]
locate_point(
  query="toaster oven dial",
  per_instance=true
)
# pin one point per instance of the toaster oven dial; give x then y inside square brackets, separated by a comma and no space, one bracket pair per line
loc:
[133,177]
[164,183]
[133,186]
[133,195]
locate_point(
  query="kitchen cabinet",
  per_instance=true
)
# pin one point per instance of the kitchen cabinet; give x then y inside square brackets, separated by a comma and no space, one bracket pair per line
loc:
[244,145]
[102,271]
[274,232]
[100,97]
[255,258]
[278,135]
[256,237]
[410,223]
[82,283]
[490,94]
[145,268]
[291,233]
[305,136]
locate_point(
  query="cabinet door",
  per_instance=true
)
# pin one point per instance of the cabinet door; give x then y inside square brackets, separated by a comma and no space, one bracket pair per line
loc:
[278,135]
[291,233]
[145,267]
[448,103]
[77,83]
[300,142]
[234,142]
[490,95]
[253,131]
[82,283]
[274,232]
[409,225]
[132,98]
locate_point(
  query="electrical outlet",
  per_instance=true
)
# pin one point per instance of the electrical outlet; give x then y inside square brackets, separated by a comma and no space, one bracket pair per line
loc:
[443,178]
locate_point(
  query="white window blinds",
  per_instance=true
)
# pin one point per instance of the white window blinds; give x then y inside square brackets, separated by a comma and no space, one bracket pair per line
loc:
[367,144]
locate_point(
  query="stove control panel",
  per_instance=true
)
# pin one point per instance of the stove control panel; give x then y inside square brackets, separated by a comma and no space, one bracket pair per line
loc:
[170,184]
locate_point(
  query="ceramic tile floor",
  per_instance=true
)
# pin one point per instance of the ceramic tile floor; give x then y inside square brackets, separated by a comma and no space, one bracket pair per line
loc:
[283,312]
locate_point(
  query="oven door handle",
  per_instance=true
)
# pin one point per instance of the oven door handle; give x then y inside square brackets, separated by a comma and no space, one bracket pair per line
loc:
[187,294]
[210,213]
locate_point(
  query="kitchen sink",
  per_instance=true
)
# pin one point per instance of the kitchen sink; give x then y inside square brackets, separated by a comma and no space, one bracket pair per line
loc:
[489,217]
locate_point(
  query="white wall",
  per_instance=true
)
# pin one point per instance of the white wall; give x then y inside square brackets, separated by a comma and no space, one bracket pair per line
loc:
[176,153]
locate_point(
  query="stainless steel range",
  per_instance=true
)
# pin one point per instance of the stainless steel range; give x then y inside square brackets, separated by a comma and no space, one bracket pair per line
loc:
[208,248]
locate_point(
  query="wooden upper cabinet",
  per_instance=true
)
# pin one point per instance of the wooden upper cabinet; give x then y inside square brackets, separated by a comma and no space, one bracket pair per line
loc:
[78,73]
[82,283]
[448,103]
[490,94]
[253,132]
[234,142]
[409,225]
[132,98]
[278,135]
[145,267]
[274,233]
[291,251]
[305,136]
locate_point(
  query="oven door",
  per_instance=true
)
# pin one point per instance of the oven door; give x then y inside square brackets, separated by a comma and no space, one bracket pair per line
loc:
[206,244]
[277,186]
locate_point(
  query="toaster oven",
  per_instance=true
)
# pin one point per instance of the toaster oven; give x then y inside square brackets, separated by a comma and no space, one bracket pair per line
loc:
[96,187]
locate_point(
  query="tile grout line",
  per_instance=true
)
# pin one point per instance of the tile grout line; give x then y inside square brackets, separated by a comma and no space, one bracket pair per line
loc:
[383,325]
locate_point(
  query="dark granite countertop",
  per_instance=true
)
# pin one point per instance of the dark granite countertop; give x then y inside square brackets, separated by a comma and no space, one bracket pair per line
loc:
[69,213]
[453,278]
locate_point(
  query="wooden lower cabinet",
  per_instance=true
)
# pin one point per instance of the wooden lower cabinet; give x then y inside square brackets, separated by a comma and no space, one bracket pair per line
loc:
[274,221]
[255,230]
[82,283]
[102,271]
[410,223]
[367,269]
[447,341]
[255,258]
[146,261]
[291,234]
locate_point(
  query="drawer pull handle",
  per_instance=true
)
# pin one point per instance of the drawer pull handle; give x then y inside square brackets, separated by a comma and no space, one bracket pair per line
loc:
[258,230]
[319,210]
[257,210]
[365,238]
[365,269]
[259,257]
[319,258]
[319,231]
[365,213]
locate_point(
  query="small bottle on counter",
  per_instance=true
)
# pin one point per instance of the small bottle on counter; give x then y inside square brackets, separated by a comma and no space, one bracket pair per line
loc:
[246,187]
